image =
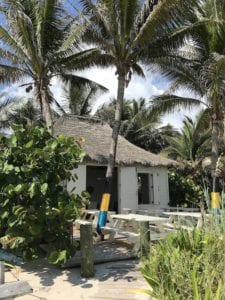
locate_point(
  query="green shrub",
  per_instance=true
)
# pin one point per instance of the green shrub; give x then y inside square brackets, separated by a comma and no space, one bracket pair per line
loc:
[187,265]
[35,208]
[184,189]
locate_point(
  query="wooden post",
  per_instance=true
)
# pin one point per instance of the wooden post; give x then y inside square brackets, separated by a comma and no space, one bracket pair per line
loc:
[86,249]
[2,272]
[144,238]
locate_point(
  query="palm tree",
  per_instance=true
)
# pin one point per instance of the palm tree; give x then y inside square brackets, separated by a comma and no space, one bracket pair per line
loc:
[204,76]
[79,99]
[193,143]
[7,105]
[40,41]
[126,32]
[27,114]
[138,125]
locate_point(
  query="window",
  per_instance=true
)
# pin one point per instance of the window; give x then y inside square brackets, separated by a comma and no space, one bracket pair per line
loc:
[145,188]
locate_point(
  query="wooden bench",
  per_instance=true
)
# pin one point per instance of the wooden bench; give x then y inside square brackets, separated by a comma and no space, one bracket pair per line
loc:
[113,231]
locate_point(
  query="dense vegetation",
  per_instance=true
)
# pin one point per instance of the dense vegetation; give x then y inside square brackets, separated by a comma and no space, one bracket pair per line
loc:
[187,265]
[35,208]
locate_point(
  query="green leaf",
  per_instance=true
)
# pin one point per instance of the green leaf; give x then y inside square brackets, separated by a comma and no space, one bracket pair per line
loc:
[54,144]
[7,167]
[44,188]
[4,215]
[19,188]
[35,229]
[53,257]
[29,144]
[32,189]
[57,257]
[13,141]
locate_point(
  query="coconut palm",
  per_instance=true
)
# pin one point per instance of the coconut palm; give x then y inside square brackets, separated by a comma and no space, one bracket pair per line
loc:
[7,105]
[193,143]
[127,31]
[27,114]
[203,77]
[138,125]
[78,99]
[38,42]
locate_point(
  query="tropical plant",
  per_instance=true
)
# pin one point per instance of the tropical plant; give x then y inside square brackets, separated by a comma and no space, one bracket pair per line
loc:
[138,125]
[39,41]
[128,32]
[186,186]
[27,114]
[187,265]
[35,208]
[193,143]
[204,76]
[78,99]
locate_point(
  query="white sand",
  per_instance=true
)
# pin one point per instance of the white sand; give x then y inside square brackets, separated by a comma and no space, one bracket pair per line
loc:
[112,281]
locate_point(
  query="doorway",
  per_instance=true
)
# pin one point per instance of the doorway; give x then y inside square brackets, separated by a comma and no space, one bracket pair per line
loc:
[95,181]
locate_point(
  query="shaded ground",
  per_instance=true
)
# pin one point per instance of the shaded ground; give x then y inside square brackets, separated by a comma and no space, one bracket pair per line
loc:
[112,281]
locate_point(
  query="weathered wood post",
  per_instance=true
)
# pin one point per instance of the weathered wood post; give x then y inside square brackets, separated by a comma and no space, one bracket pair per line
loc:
[86,249]
[2,272]
[145,238]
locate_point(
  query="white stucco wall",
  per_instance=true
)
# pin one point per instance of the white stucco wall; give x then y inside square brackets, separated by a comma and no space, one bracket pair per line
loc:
[161,187]
[80,183]
[127,179]
[128,187]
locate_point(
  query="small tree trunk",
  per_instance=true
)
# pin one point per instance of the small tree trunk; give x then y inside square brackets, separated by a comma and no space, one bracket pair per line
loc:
[215,154]
[115,132]
[43,97]
[46,112]
[215,195]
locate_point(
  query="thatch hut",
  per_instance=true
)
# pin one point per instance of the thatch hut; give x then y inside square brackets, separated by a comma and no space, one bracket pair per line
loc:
[141,178]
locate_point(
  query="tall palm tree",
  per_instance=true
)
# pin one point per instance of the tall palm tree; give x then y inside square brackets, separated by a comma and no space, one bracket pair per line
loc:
[126,31]
[39,41]
[203,76]
[193,143]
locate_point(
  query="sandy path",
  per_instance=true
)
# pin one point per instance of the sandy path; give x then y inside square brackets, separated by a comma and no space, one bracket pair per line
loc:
[112,281]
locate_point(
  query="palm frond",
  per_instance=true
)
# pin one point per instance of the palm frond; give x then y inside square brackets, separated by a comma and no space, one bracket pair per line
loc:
[169,103]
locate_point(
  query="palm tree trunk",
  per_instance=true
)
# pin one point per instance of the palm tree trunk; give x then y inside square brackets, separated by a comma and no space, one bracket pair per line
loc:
[115,132]
[215,195]
[42,92]
[105,202]
[215,154]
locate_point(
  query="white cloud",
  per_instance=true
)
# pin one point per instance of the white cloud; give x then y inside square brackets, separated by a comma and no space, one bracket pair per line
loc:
[153,84]
[138,87]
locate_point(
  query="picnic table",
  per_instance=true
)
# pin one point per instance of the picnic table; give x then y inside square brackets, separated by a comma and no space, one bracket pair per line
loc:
[196,217]
[128,225]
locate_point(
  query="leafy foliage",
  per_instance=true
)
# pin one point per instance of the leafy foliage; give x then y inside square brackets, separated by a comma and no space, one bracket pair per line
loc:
[139,126]
[35,207]
[187,265]
[185,186]
[194,142]
[40,41]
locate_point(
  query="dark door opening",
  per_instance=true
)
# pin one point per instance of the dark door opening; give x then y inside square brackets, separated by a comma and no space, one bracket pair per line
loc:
[95,181]
[145,188]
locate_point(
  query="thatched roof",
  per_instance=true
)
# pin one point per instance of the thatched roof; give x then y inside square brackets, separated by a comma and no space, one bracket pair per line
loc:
[97,137]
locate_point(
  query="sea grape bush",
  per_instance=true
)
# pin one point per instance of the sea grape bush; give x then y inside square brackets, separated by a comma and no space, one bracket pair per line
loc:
[35,208]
